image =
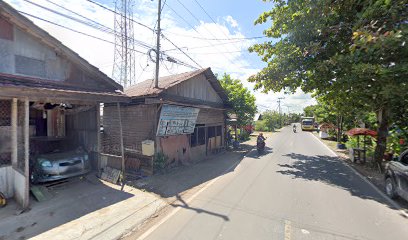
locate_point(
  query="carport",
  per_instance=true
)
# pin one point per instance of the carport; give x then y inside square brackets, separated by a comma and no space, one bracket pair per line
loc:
[42,119]
[50,99]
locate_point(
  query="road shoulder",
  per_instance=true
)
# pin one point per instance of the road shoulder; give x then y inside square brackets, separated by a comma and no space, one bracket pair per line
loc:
[371,177]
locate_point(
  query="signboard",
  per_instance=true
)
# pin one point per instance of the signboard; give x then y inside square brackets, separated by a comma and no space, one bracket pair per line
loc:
[177,120]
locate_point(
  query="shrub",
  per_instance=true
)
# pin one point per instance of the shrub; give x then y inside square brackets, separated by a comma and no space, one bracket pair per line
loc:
[160,161]
[261,126]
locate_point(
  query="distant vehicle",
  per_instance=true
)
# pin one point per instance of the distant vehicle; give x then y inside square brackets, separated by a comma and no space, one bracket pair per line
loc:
[396,177]
[307,123]
[60,165]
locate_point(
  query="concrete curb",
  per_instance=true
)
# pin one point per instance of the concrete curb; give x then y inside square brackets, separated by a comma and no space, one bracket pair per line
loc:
[365,179]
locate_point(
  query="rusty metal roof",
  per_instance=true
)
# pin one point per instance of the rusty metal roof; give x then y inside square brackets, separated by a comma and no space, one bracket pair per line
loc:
[146,88]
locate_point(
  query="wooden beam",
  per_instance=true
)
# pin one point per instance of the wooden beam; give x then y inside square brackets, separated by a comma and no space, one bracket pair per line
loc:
[122,149]
[26,200]
[14,133]
[50,95]
[98,136]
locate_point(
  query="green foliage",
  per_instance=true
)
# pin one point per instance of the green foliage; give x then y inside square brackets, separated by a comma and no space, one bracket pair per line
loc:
[240,98]
[271,119]
[160,161]
[353,54]
[261,126]
[244,136]
[394,137]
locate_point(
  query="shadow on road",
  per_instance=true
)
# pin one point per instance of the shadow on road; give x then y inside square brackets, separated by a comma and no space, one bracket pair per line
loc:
[255,154]
[185,205]
[331,171]
[178,180]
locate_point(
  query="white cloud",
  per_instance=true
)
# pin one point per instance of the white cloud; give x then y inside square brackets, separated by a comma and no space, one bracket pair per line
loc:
[231,21]
[221,55]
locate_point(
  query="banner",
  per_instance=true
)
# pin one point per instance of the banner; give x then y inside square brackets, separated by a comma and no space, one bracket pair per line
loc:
[177,120]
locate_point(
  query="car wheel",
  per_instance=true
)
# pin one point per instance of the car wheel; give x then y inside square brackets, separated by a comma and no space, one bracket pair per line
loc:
[390,188]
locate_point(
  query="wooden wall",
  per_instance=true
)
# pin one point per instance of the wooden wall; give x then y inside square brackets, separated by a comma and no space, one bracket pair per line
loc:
[196,88]
[82,129]
[209,116]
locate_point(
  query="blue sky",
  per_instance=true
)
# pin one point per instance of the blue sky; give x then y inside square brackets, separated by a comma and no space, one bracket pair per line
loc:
[234,19]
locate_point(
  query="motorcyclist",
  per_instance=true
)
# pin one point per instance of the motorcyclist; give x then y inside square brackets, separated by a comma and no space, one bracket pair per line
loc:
[294,127]
[261,138]
[260,142]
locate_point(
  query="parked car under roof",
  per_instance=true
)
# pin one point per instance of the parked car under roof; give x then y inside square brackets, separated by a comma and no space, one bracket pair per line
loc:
[59,165]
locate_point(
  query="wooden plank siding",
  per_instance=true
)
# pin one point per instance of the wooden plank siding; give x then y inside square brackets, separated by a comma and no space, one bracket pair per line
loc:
[196,88]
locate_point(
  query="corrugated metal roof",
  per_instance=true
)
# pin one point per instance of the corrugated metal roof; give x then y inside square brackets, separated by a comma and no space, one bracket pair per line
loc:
[146,88]
[23,22]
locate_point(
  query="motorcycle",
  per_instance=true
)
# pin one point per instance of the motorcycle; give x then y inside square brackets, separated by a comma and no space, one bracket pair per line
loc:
[294,130]
[260,146]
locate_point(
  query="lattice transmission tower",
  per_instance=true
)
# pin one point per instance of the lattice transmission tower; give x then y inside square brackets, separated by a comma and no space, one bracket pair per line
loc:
[124,57]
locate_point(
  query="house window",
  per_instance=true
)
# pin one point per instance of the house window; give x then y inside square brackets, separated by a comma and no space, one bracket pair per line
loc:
[193,138]
[218,131]
[211,132]
[201,136]
[197,138]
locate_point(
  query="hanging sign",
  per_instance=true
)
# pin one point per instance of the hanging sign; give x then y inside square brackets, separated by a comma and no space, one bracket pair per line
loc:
[177,120]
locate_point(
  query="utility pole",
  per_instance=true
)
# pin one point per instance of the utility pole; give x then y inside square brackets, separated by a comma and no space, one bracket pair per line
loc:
[280,110]
[156,76]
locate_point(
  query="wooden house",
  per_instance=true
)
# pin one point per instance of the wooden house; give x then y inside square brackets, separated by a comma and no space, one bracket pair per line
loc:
[49,99]
[183,120]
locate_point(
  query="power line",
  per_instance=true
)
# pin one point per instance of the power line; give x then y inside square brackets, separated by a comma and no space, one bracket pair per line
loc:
[141,24]
[105,28]
[211,53]
[73,30]
[205,46]
[188,10]
[182,51]
[113,11]
[217,39]
[208,15]
[169,59]
[182,18]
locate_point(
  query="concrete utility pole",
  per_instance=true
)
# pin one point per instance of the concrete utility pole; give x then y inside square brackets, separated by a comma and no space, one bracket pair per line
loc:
[280,110]
[156,76]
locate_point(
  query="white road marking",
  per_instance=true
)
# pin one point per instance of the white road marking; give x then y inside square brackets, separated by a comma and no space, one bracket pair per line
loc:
[389,200]
[304,231]
[288,230]
[175,210]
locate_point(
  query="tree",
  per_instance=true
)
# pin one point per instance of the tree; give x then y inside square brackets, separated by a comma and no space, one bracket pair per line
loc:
[353,53]
[240,98]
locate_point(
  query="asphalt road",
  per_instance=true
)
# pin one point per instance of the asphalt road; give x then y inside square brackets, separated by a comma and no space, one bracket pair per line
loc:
[297,190]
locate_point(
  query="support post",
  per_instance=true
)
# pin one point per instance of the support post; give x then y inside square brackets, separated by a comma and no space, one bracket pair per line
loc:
[26,200]
[14,133]
[121,144]
[98,137]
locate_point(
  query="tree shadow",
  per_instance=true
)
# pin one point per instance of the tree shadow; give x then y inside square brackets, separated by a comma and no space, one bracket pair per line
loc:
[178,180]
[185,205]
[331,171]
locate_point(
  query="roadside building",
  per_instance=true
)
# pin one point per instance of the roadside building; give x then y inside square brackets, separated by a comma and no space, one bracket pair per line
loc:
[49,101]
[183,120]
